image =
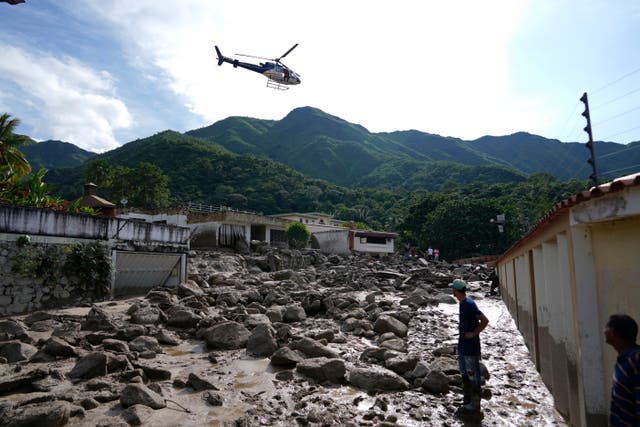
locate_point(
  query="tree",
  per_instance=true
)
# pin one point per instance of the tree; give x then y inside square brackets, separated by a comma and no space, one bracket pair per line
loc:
[298,235]
[9,154]
[144,186]
[99,172]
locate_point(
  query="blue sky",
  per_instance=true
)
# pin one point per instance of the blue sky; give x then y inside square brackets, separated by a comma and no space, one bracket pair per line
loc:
[101,73]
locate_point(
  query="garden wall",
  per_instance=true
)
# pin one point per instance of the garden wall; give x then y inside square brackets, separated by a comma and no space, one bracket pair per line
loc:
[36,276]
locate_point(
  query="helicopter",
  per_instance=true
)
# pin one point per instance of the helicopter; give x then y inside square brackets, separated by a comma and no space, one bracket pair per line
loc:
[279,75]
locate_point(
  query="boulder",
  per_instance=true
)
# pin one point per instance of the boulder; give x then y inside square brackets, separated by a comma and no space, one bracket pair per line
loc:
[436,382]
[323,369]
[313,348]
[294,313]
[98,320]
[15,351]
[285,356]
[226,336]
[386,323]
[375,378]
[50,414]
[262,341]
[134,394]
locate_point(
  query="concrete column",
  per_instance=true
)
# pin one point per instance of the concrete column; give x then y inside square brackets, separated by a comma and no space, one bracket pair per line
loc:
[569,340]
[556,326]
[544,315]
[594,405]
[267,234]
[247,234]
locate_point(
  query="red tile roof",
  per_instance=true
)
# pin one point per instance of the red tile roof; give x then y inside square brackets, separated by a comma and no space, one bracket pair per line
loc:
[614,186]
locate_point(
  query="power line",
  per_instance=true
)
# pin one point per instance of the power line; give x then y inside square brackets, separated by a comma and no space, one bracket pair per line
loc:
[620,169]
[620,133]
[619,151]
[617,98]
[618,115]
[616,81]
[568,119]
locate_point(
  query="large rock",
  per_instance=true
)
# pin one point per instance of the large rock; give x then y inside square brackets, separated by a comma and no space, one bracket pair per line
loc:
[146,315]
[68,331]
[136,415]
[58,347]
[262,341]
[134,394]
[286,357]
[90,366]
[322,369]
[189,288]
[375,378]
[145,343]
[226,336]
[182,317]
[313,348]
[13,328]
[15,351]
[294,313]
[98,320]
[50,414]
[198,383]
[436,382]
[386,323]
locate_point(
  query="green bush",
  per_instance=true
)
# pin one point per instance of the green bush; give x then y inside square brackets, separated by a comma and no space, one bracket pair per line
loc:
[298,235]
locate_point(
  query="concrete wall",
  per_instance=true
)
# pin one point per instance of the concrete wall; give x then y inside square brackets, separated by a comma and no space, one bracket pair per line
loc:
[360,244]
[25,220]
[34,276]
[561,283]
[332,242]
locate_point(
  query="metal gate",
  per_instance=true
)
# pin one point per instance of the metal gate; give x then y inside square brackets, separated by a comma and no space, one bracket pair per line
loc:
[137,272]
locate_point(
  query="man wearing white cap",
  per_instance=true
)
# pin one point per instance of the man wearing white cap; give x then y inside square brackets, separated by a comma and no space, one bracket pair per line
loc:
[471,323]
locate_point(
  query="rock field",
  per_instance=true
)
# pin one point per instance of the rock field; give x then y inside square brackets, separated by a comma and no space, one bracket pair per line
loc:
[275,337]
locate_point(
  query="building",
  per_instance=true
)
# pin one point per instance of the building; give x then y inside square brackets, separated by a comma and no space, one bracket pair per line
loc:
[315,221]
[562,281]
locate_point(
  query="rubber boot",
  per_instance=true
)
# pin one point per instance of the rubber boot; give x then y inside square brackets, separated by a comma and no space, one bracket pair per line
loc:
[474,404]
[466,391]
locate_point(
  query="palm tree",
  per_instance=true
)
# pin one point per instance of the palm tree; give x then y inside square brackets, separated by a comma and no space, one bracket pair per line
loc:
[9,154]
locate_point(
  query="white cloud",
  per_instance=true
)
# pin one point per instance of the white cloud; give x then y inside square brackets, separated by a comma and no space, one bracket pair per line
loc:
[432,66]
[76,103]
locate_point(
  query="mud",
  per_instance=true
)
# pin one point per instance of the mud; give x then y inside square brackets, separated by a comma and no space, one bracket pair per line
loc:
[255,392]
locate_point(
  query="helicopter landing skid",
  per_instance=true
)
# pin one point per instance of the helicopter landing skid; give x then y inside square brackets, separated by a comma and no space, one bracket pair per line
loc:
[275,85]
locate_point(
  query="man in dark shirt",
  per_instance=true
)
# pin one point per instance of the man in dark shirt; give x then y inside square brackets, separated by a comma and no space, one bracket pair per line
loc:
[471,323]
[620,333]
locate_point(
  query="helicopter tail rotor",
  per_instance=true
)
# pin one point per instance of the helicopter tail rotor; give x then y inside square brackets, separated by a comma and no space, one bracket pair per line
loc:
[220,57]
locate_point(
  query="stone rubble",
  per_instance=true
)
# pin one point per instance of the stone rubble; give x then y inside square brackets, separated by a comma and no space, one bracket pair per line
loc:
[324,340]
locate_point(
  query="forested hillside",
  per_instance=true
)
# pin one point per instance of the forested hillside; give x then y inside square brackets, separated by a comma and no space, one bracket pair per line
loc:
[433,190]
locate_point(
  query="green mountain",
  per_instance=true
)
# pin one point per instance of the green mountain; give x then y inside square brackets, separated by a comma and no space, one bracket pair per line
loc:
[202,172]
[52,154]
[311,160]
[324,146]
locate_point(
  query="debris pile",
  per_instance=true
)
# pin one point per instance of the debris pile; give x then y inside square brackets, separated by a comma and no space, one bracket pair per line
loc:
[275,337]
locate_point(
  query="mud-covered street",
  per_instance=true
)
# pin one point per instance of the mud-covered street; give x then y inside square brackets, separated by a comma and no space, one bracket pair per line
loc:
[273,338]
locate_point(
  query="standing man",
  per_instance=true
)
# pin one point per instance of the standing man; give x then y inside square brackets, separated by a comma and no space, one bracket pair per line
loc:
[620,333]
[471,323]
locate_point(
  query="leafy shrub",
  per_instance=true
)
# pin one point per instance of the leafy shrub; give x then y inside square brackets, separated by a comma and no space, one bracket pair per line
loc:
[91,263]
[298,235]
[31,191]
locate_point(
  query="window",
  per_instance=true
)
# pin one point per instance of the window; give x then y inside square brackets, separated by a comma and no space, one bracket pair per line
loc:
[377,240]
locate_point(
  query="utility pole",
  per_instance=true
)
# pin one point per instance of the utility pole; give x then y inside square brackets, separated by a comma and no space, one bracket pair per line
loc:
[590,145]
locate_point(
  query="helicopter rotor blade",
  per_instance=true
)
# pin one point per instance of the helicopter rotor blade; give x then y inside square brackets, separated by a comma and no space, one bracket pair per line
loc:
[287,52]
[252,56]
